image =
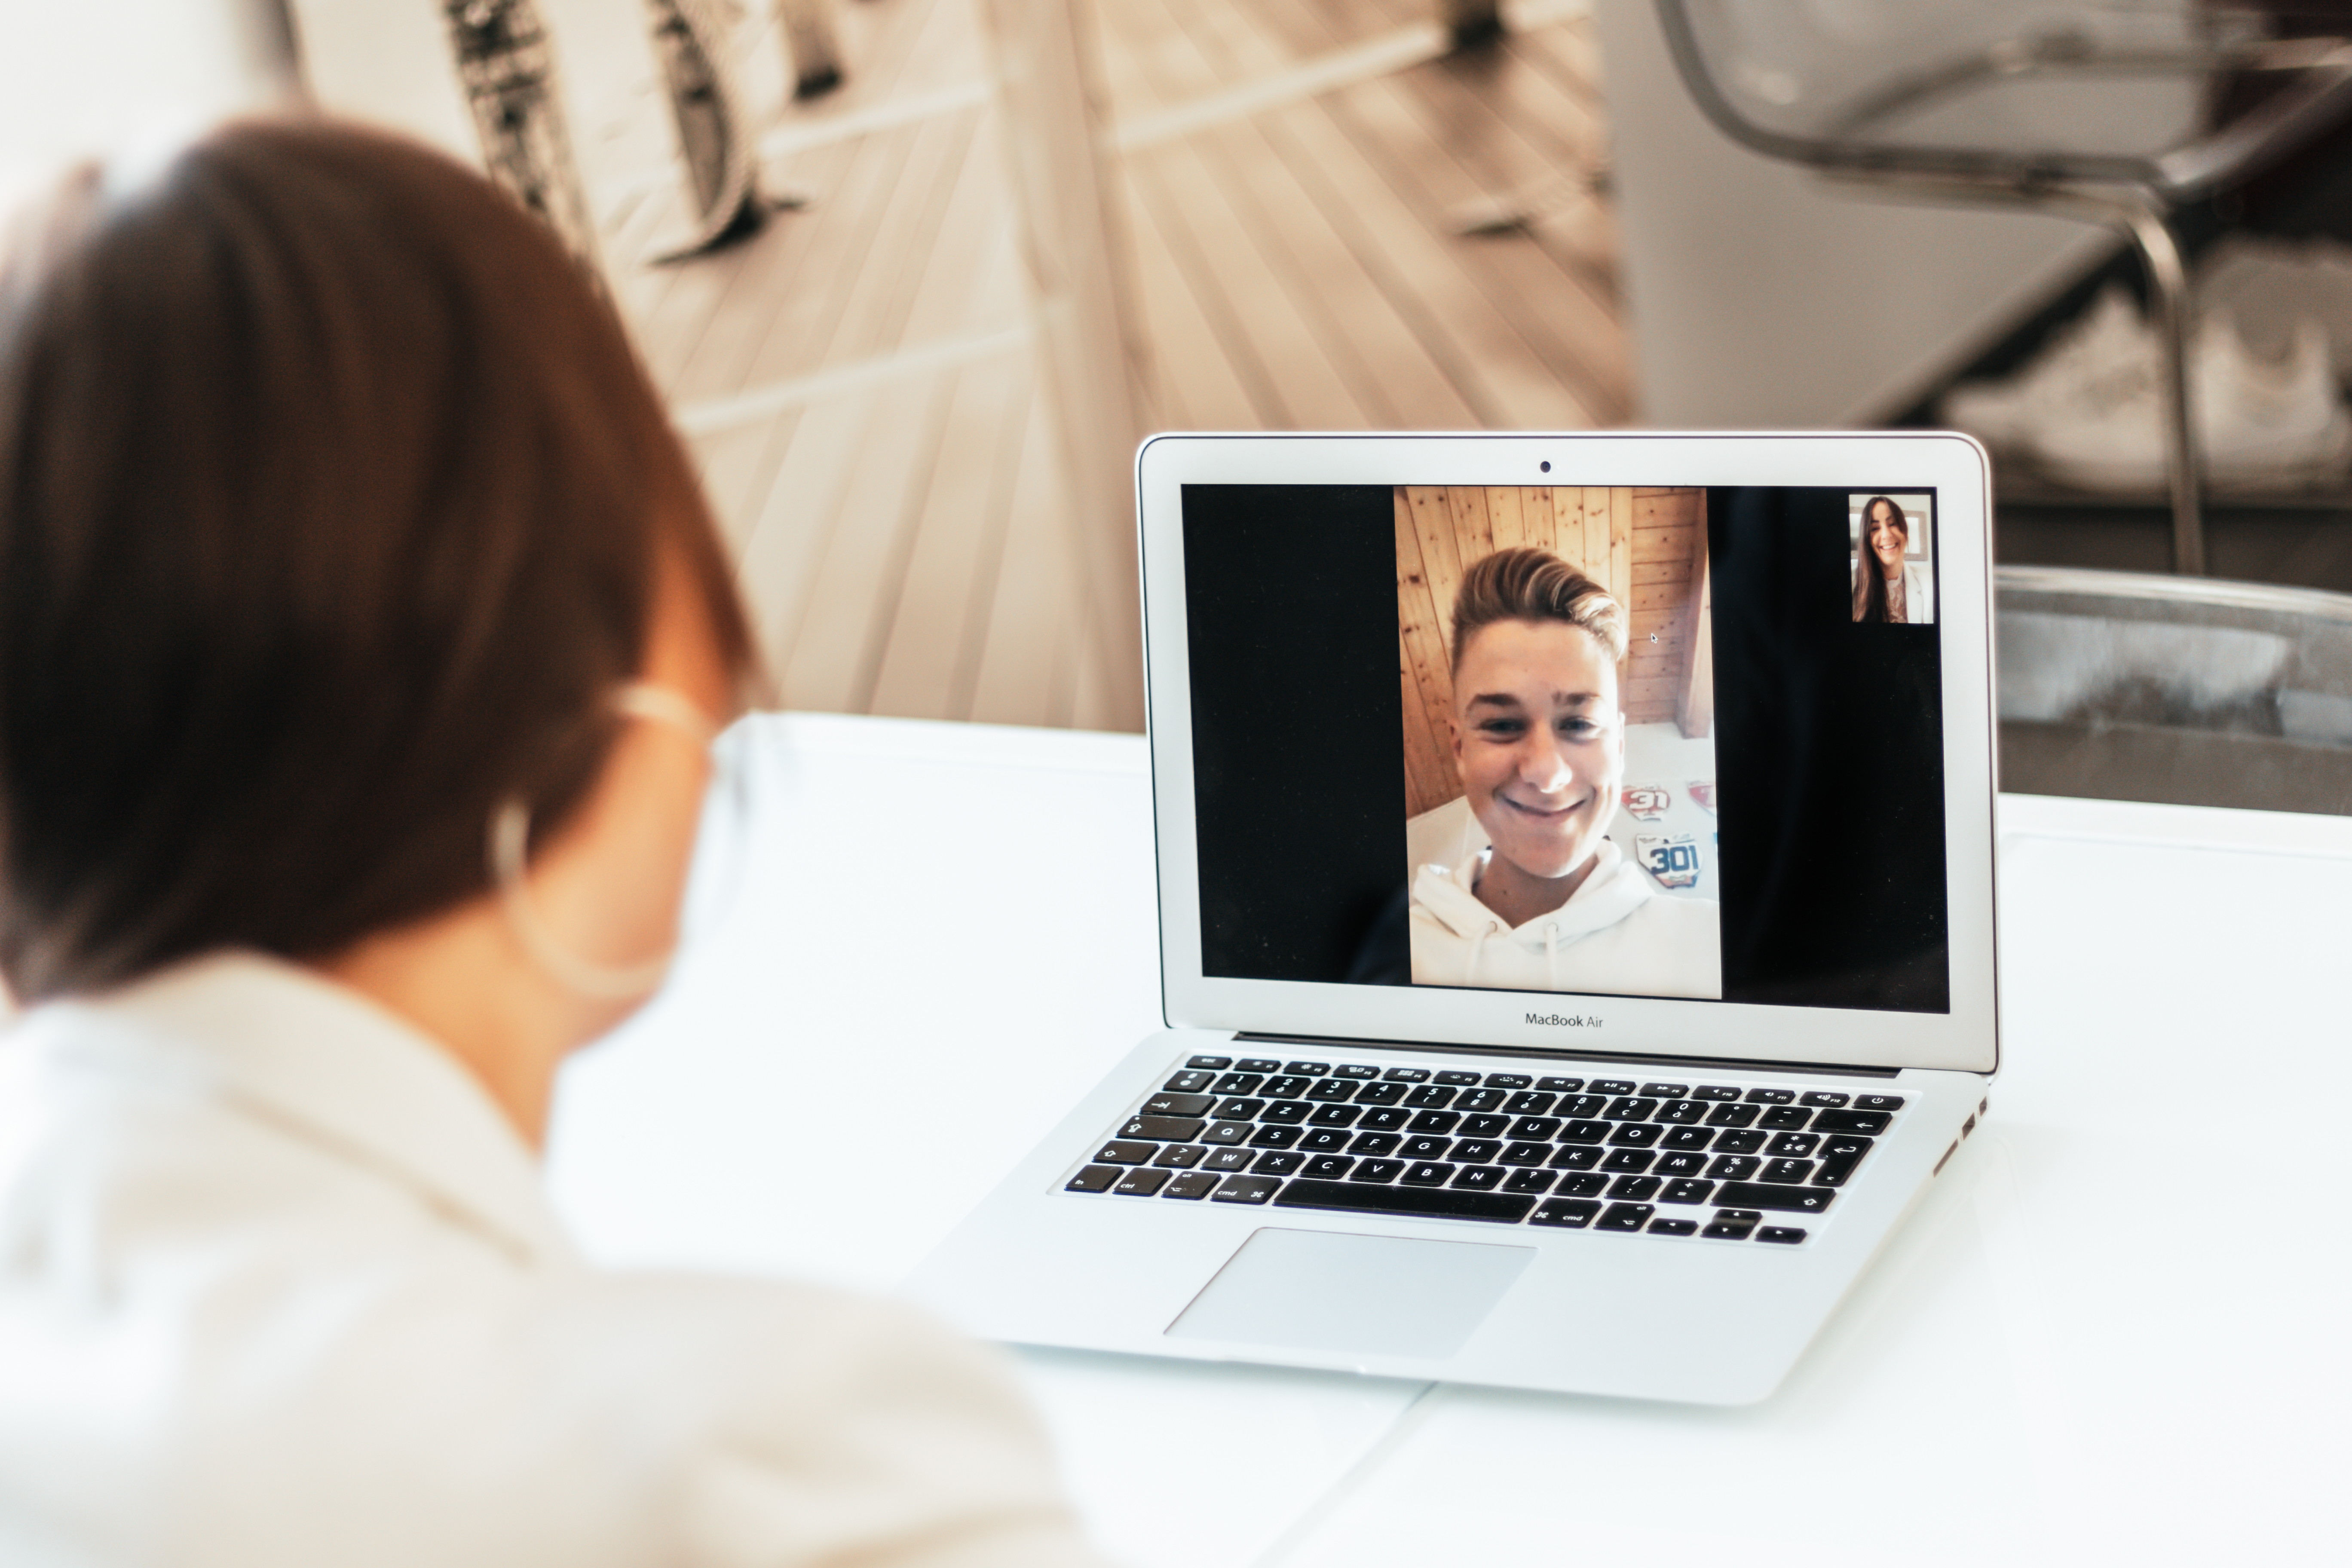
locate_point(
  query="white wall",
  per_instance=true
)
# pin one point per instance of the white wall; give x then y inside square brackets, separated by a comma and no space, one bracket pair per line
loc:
[1761,297]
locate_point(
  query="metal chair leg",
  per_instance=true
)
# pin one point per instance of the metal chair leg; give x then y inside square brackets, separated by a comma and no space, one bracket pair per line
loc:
[2184,465]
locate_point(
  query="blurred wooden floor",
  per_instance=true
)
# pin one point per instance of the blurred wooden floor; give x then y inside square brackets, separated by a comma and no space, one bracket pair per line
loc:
[856,377]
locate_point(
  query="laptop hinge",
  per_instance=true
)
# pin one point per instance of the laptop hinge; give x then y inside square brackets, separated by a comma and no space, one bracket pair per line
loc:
[1548,1053]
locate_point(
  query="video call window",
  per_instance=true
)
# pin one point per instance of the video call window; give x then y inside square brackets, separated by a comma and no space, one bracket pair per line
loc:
[1558,767]
[1892,543]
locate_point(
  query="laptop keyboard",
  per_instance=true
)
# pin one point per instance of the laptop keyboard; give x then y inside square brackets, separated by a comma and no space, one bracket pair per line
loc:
[1718,1161]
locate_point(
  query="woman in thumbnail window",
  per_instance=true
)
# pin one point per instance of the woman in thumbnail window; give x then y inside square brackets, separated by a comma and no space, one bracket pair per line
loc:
[1551,904]
[1888,588]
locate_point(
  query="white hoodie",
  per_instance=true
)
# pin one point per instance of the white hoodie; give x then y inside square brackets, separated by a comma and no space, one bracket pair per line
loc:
[1615,936]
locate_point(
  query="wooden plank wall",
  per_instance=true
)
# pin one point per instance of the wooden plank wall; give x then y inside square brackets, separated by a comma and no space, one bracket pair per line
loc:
[1646,546]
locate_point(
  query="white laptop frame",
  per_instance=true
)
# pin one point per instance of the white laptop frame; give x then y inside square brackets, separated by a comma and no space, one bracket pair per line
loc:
[1964,1039]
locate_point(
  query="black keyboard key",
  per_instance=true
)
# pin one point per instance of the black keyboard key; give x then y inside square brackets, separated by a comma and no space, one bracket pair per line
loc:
[1788,1171]
[1583,1184]
[1486,1126]
[1636,1135]
[1192,1185]
[1287,1085]
[1214,1064]
[1560,1084]
[1377,1171]
[1824,1100]
[1142,1183]
[1228,1160]
[1681,1163]
[1482,1100]
[1375,1143]
[1275,1137]
[1119,1153]
[1239,1108]
[1426,1148]
[1673,1227]
[1584,1106]
[1630,1108]
[1188,1082]
[1611,1086]
[1681,1112]
[1769,1096]
[1276,1164]
[1731,1115]
[1330,1089]
[1334,1115]
[1733,1167]
[1785,1117]
[1407,1075]
[1840,1156]
[1458,1079]
[1686,1192]
[1386,1119]
[1093,1179]
[1227,1133]
[1634,1160]
[1574,1157]
[1786,1235]
[1246,1190]
[1180,1156]
[1306,1069]
[1239,1083]
[1478,1178]
[1528,1103]
[1285,1112]
[1330,1167]
[1529,1182]
[1526,1152]
[1665,1091]
[1714,1091]
[1178,1105]
[1540,1128]
[1355,1070]
[1324,1140]
[1442,1203]
[1584,1133]
[1163,1129]
[1625,1216]
[1435,1122]
[1737,1141]
[1755,1195]
[1688,1138]
[1508,1080]
[1476,1150]
[1430,1096]
[1426,1174]
[1732,1224]
[1380,1094]
[1258,1064]
[1570,1214]
[1638,1189]
[1888,1102]
[1870,1123]
[1796,1145]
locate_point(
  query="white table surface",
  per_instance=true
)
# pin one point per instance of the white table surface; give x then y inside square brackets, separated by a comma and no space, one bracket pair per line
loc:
[2115,1330]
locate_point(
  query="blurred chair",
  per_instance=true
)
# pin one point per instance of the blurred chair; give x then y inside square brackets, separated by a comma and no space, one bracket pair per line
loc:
[2119,685]
[2117,111]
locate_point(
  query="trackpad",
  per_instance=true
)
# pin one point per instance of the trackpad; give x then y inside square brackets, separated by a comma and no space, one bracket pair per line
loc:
[1326,1290]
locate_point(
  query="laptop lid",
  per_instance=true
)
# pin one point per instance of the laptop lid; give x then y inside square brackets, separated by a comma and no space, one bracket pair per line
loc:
[1406,790]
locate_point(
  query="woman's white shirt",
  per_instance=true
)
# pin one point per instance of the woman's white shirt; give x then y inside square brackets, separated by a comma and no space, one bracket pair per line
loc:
[1919,596]
[279,1288]
[1616,935]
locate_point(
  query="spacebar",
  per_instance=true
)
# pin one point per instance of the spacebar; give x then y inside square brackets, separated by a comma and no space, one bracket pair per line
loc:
[1442,1203]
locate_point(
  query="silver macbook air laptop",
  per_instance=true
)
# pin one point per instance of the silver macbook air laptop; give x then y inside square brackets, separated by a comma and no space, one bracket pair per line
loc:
[1576,910]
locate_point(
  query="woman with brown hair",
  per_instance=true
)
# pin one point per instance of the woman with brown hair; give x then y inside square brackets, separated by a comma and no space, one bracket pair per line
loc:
[362,634]
[1888,587]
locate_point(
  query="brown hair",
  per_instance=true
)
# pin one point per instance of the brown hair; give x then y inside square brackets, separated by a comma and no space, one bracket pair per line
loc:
[332,500]
[1523,584]
[1869,602]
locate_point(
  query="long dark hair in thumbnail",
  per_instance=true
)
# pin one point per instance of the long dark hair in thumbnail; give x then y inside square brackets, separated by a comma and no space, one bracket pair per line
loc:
[1869,576]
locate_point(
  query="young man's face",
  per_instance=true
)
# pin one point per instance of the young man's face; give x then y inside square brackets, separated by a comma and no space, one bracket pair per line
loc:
[1540,742]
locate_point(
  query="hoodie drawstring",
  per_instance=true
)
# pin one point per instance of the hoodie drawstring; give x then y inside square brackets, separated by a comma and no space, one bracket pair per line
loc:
[1551,953]
[1477,946]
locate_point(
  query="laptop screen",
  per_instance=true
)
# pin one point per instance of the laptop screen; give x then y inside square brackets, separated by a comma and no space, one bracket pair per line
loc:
[1574,739]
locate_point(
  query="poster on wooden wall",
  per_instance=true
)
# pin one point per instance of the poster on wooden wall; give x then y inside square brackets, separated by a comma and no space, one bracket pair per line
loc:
[1556,684]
